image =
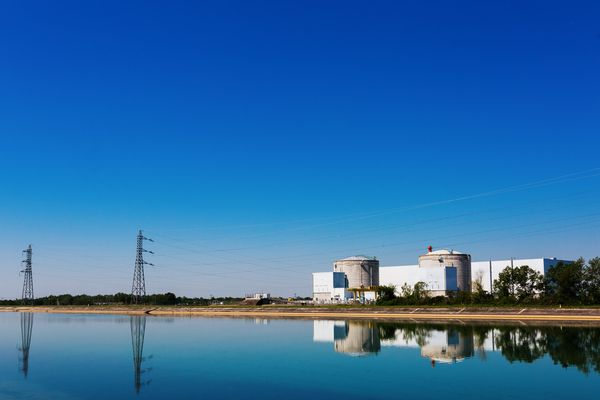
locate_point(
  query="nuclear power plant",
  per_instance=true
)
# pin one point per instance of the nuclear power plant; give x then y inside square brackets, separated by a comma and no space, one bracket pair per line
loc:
[356,279]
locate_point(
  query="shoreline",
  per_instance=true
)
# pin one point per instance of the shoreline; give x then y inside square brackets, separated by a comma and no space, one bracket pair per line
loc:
[591,315]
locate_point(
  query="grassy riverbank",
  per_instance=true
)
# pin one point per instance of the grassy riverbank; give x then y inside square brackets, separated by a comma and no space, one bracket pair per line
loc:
[590,314]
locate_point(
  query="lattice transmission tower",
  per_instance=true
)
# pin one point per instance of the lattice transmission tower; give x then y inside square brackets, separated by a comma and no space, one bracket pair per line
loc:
[27,294]
[138,288]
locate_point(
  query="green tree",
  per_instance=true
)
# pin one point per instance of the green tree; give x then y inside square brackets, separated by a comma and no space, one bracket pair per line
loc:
[82,300]
[122,298]
[518,284]
[386,293]
[592,281]
[65,299]
[420,291]
[565,282]
[406,291]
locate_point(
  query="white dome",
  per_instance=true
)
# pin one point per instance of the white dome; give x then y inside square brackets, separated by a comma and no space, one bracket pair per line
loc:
[444,252]
[358,258]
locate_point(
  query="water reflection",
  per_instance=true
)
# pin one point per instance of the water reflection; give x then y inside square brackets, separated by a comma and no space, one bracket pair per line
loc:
[438,343]
[138,332]
[356,338]
[448,346]
[449,343]
[26,330]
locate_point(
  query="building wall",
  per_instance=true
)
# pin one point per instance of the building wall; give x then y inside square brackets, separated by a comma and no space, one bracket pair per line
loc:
[480,270]
[435,277]
[329,286]
[397,276]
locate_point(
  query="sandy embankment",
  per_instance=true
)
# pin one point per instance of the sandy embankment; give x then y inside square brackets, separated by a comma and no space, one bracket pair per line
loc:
[389,313]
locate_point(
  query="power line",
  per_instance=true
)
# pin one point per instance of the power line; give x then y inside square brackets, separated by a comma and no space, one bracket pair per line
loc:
[574,176]
[369,232]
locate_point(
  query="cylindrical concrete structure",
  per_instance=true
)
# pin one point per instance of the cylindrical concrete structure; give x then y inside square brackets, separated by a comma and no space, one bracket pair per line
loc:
[361,271]
[450,258]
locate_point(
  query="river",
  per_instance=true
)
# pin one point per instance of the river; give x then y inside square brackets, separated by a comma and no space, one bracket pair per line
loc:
[56,356]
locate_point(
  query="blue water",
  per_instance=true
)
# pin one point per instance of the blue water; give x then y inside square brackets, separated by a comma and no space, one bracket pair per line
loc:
[53,356]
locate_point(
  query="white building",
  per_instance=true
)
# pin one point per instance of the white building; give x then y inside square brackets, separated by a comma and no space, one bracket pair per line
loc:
[329,287]
[486,272]
[258,296]
[436,279]
[483,272]
[439,280]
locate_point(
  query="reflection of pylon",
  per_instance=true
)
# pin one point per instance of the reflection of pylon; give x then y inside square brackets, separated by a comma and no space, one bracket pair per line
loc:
[26,329]
[138,331]
[27,295]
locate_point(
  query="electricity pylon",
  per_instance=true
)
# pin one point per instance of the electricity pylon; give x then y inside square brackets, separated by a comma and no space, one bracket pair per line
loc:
[138,288]
[27,294]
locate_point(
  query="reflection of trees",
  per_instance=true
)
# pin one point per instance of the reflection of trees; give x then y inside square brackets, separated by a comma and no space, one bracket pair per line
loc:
[408,332]
[480,335]
[387,331]
[418,334]
[521,344]
[577,347]
[566,346]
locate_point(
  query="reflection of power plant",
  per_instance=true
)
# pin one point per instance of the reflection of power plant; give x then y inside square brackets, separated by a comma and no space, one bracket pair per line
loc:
[138,331]
[448,346]
[356,338]
[26,330]
[440,344]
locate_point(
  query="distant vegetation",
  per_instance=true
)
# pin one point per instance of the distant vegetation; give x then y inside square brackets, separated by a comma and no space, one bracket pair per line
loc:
[576,283]
[166,299]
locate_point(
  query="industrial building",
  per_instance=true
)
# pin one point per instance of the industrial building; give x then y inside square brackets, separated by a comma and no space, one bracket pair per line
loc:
[329,287]
[443,271]
[361,272]
[354,277]
[482,272]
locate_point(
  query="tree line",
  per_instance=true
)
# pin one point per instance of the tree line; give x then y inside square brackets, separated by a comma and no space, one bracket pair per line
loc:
[575,283]
[167,299]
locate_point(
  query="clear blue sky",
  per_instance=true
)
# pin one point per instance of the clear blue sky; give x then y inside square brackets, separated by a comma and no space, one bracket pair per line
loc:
[257,142]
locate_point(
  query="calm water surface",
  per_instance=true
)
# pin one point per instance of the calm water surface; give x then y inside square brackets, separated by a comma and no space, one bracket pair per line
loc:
[51,356]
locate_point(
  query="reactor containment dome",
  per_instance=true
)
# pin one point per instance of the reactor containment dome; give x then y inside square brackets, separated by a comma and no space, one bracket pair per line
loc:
[450,259]
[361,271]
